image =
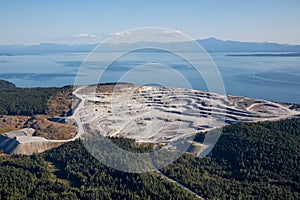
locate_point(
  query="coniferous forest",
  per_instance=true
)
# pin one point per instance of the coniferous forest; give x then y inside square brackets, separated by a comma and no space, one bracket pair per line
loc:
[250,161]
[25,101]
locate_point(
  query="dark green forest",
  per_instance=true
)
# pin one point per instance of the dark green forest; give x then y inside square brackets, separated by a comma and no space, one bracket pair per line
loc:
[25,101]
[79,176]
[250,161]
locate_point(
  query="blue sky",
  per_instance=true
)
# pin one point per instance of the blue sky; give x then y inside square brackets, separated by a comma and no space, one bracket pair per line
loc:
[73,21]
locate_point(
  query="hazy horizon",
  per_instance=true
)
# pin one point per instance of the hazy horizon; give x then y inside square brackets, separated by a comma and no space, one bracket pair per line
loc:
[77,22]
[100,41]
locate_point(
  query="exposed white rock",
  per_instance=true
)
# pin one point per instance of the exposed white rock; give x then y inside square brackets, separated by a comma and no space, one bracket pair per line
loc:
[162,115]
[151,114]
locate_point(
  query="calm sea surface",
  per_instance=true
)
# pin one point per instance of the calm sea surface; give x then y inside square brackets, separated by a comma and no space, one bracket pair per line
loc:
[272,78]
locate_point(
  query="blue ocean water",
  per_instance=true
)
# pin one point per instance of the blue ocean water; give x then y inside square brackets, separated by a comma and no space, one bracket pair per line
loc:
[273,78]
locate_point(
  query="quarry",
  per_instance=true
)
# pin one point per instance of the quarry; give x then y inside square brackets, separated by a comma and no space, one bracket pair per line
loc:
[149,114]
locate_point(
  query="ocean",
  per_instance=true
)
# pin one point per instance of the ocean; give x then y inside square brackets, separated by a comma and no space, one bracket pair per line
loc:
[275,78]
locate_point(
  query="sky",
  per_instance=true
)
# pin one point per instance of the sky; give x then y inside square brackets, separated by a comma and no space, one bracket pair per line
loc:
[73,21]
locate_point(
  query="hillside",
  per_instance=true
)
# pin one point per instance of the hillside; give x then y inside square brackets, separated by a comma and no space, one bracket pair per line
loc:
[258,160]
[69,172]
[50,130]
[12,123]
[29,101]
[5,85]
[250,161]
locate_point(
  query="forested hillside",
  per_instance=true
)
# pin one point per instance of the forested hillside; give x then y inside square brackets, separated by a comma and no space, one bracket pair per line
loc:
[70,172]
[26,101]
[250,161]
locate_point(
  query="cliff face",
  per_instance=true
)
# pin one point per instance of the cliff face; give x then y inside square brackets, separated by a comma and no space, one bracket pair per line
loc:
[34,147]
[16,142]
[8,144]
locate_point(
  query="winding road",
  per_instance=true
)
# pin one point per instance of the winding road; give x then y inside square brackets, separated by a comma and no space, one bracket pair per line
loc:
[83,114]
[76,117]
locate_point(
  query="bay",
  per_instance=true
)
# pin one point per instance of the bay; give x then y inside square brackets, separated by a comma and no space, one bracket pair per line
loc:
[272,78]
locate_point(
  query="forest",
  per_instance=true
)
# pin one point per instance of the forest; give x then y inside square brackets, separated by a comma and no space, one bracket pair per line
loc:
[25,101]
[250,161]
[70,172]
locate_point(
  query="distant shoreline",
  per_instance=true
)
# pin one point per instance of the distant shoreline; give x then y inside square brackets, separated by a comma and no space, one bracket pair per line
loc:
[296,54]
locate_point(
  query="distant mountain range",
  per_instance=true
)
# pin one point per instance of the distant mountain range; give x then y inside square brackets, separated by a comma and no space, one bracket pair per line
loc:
[210,45]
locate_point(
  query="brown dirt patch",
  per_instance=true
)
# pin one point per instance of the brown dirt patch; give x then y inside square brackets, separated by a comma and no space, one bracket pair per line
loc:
[12,123]
[49,129]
